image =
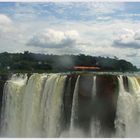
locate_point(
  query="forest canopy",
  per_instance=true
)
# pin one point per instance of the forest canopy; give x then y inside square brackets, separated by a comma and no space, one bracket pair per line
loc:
[31,62]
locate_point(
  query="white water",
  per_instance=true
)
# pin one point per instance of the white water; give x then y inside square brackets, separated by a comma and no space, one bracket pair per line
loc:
[127,124]
[73,130]
[52,105]
[13,94]
[34,108]
[94,87]
[95,124]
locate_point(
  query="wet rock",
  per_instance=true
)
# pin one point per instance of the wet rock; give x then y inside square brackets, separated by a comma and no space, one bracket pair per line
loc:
[125,83]
[67,98]
[85,102]
[101,106]
[107,94]
[3,79]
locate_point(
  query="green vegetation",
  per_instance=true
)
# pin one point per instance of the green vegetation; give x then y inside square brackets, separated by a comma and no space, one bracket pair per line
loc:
[31,62]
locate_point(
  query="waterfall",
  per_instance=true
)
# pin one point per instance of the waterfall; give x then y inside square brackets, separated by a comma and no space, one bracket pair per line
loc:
[74,109]
[12,106]
[135,91]
[95,124]
[33,109]
[31,106]
[53,105]
[126,109]
[94,87]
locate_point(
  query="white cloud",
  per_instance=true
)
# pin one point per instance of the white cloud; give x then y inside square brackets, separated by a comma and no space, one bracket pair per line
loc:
[104,18]
[5,24]
[105,8]
[50,38]
[128,39]
[4,20]
[66,10]
[12,36]
[137,35]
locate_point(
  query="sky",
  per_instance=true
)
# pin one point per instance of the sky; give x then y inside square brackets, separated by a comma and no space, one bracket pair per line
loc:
[92,28]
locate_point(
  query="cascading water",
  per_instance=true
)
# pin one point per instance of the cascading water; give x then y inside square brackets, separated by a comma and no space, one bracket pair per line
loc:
[94,87]
[134,89]
[74,109]
[95,125]
[127,107]
[53,105]
[31,106]
[12,106]
[61,105]
[33,109]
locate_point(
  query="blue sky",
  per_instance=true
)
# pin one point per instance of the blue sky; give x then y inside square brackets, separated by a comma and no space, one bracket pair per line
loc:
[79,11]
[93,28]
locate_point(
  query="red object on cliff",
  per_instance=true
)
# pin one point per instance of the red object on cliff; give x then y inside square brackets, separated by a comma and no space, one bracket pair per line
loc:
[86,68]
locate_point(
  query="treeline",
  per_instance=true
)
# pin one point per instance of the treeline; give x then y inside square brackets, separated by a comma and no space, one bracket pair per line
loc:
[31,62]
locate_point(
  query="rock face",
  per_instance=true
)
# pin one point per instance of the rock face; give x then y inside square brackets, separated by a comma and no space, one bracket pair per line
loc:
[107,94]
[125,83]
[85,102]
[67,99]
[100,105]
[3,79]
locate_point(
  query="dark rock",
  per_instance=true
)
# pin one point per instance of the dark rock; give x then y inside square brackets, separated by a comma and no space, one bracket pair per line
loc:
[125,83]
[67,98]
[85,102]
[107,94]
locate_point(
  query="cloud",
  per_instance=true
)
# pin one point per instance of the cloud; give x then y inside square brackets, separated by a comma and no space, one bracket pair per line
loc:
[105,8]
[104,18]
[128,39]
[66,10]
[132,55]
[4,20]
[10,33]
[50,38]
[5,24]
[137,35]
